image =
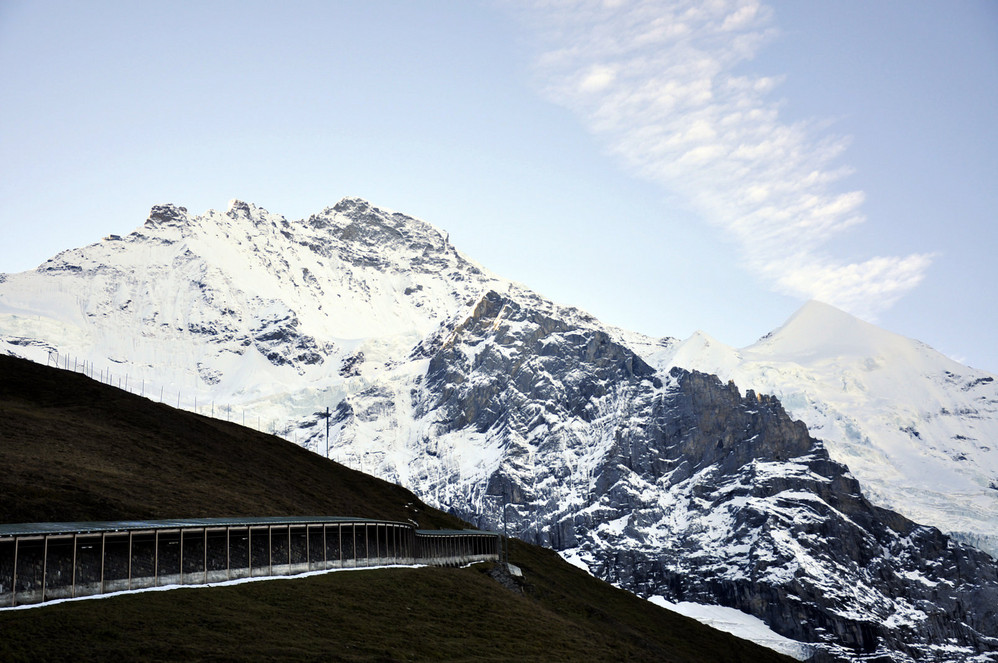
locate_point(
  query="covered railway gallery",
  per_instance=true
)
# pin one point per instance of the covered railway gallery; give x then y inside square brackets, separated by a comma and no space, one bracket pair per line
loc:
[46,561]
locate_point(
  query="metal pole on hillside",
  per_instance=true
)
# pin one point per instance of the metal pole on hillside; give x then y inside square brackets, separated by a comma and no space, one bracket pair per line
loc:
[505,536]
[327,431]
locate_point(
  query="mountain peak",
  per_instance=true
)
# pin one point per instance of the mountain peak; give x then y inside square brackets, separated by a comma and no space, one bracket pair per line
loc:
[706,352]
[239,209]
[818,327]
[818,318]
[375,226]
[237,206]
[166,215]
[349,204]
[814,309]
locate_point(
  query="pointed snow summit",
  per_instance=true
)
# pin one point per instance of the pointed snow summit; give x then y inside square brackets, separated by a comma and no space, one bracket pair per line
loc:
[819,331]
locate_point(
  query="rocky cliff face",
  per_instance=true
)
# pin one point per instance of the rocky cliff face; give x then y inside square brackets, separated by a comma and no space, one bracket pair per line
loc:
[767,523]
[488,400]
[677,485]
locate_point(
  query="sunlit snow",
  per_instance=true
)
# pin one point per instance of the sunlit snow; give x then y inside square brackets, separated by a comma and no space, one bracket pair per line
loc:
[739,624]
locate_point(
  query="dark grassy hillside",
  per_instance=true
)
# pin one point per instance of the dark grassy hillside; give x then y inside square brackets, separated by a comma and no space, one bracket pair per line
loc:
[73,449]
[427,614]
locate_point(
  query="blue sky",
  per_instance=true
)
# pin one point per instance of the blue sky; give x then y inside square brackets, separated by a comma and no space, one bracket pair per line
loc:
[667,166]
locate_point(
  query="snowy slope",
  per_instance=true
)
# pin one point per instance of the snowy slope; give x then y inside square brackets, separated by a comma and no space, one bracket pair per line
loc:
[739,624]
[919,430]
[729,620]
[242,307]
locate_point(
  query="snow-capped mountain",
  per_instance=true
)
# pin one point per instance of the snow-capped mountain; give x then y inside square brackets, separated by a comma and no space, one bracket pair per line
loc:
[243,307]
[491,401]
[919,430]
[675,484]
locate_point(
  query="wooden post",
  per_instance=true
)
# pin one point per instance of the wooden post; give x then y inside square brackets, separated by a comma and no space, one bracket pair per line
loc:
[205,551]
[228,552]
[155,560]
[130,544]
[181,555]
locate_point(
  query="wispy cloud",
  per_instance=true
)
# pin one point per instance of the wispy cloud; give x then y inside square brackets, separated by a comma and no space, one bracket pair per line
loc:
[658,81]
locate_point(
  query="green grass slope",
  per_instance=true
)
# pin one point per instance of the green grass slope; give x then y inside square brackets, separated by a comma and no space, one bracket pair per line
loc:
[73,449]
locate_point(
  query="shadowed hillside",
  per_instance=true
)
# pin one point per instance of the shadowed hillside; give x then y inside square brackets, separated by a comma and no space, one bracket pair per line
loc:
[74,449]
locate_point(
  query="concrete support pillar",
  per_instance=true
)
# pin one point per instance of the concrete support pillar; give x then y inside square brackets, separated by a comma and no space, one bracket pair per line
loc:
[73,590]
[103,556]
[45,564]
[13,586]
[129,559]
[155,560]
[181,555]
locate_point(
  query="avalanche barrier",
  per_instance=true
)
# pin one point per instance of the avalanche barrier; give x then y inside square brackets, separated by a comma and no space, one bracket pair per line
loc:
[45,561]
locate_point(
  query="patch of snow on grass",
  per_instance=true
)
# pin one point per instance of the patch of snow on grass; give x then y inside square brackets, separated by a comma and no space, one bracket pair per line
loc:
[738,624]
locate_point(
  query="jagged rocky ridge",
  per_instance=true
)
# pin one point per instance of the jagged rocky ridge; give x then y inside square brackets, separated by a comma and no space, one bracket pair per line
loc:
[487,399]
[676,485]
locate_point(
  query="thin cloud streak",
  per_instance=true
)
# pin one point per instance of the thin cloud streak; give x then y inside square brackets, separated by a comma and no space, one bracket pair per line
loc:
[656,80]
